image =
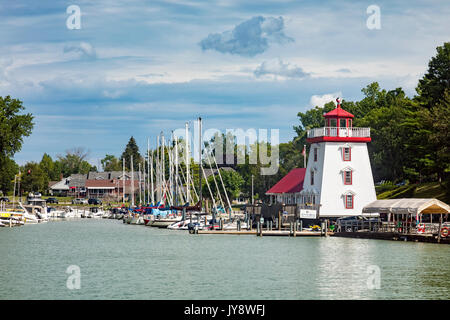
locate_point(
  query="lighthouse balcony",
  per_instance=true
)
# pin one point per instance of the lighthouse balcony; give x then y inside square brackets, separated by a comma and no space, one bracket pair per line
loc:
[338,134]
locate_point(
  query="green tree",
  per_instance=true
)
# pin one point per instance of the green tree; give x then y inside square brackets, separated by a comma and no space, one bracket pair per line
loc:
[111,163]
[132,149]
[51,168]
[232,181]
[74,162]
[8,169]
[33,178]
[437,143]
[13,128]
[436,81]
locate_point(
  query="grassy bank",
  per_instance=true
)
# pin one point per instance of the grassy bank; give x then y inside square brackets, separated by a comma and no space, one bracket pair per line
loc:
[422,190]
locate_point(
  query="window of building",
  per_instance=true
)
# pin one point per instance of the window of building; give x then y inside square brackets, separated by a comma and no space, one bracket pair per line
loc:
[349,201]
[315,154]
[333,123]
[347,154]
[312,178]
[348,177]
[342,123]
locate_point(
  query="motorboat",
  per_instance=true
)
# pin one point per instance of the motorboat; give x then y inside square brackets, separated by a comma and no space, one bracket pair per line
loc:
[95,212]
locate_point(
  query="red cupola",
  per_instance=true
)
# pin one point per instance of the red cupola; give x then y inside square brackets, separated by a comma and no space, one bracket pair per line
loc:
[338,127]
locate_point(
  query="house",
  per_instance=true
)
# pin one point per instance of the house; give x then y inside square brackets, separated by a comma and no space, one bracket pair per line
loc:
[287,190]
[96,185]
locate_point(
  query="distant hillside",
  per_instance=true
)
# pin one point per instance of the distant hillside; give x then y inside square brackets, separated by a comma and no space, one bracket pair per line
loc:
[423,190]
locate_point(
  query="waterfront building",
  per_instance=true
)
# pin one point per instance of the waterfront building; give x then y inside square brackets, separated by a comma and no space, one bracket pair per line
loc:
[287,190]
[338,179]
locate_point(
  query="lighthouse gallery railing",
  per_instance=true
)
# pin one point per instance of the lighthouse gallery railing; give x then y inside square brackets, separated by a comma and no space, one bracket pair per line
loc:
[338,132]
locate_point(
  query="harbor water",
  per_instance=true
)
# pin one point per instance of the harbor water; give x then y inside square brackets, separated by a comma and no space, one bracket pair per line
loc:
[119,261]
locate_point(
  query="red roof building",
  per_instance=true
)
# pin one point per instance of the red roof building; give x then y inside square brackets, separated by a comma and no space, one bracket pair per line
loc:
[287,190]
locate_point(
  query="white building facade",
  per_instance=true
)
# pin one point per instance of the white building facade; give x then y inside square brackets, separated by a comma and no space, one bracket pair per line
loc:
[338,180]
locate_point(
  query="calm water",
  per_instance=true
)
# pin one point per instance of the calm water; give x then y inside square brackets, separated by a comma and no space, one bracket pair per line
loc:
[120,261]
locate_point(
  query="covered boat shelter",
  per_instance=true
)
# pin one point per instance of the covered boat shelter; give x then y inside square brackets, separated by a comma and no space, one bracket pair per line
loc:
[412,214]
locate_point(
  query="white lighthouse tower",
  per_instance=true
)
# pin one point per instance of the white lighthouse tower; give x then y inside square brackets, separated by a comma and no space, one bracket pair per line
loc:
[338,180]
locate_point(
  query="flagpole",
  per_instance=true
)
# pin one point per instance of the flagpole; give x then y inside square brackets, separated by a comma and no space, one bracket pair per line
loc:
[304,155]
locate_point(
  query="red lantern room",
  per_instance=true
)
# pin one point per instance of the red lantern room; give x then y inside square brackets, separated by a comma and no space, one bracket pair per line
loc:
[338,127]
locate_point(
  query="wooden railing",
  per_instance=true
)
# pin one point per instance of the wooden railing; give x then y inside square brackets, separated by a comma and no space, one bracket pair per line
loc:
[339,132]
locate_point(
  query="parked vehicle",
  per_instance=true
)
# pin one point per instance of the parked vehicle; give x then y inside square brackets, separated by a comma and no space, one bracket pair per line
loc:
[356,223]
[94,201]
[52,200]
[79,201]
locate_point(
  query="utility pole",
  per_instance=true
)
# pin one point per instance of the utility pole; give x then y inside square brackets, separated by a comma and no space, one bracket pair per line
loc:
[252,189]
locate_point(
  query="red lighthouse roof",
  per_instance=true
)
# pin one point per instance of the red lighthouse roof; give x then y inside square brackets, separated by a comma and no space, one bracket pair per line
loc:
[338,112]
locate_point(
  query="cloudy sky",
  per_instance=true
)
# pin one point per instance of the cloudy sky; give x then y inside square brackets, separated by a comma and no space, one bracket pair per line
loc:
[138,67]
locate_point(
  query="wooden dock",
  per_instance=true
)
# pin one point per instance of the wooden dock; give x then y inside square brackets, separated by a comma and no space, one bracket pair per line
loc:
[273,233]
[393,236]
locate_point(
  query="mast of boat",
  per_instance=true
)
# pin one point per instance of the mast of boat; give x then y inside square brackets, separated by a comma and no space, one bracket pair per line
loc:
[187,159]
[139,183]
[148,171]
[200,162]
[170,155]
[132,182]
[144,180]
[158,194]
[223,184]
[14,192]
[123,183]
[163,167]
[151,180]
[176,170]
[18,191]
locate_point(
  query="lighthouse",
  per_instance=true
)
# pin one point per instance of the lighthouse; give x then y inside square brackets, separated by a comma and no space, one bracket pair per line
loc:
[338,179]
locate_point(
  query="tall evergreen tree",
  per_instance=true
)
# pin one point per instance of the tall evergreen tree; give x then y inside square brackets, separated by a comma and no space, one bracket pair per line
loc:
[131,149]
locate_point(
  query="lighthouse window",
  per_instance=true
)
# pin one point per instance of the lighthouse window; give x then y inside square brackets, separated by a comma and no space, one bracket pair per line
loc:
[347,154]
[312,177]
[315,154]
[348,177]
[349,201]
[342,123]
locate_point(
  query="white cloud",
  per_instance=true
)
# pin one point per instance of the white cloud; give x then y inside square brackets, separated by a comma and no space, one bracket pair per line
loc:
[320,100]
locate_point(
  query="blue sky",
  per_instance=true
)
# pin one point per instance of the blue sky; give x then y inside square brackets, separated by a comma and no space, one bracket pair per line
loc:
[139,67]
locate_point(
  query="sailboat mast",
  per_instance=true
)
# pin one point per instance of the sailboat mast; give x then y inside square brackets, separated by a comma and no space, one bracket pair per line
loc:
[176,170]
[148,171]
[123,178]
[158,194]
[139,183]
[132,182]
[151,180]
[200,161]
[187,160]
